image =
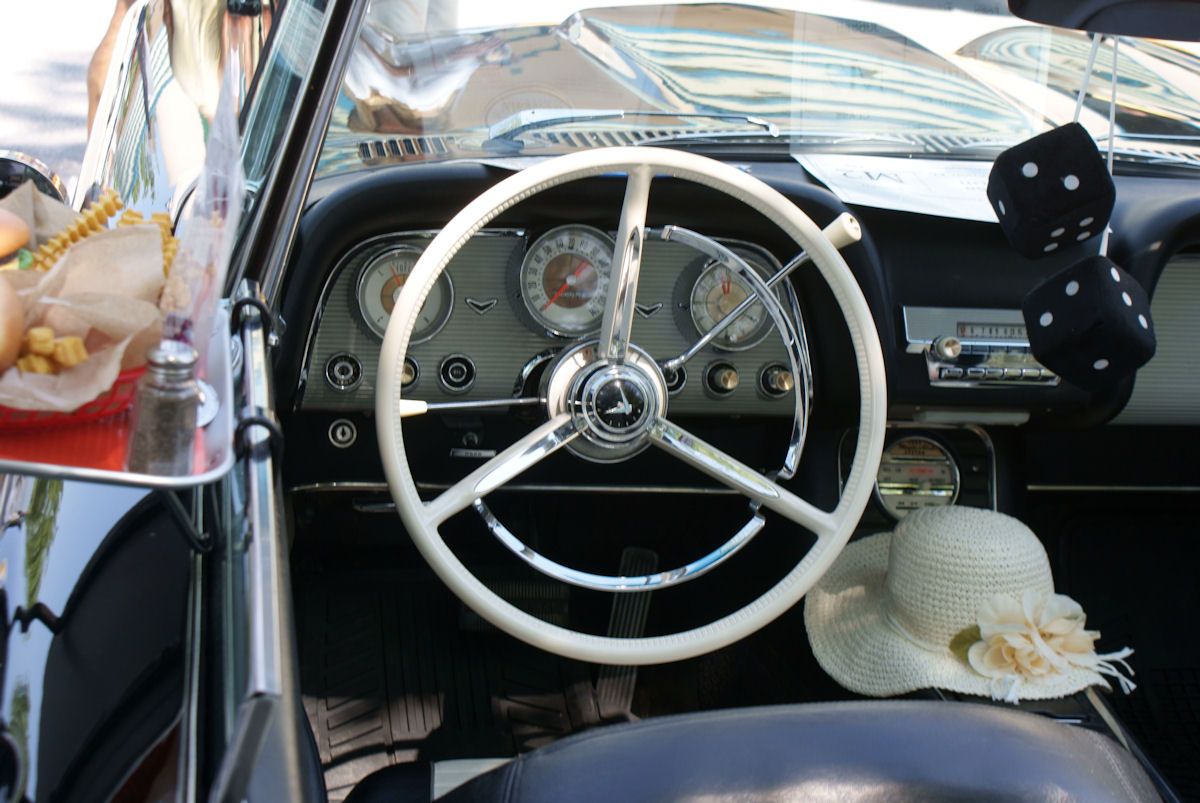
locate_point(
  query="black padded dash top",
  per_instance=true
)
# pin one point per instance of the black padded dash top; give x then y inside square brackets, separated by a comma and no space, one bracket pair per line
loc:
[896,750]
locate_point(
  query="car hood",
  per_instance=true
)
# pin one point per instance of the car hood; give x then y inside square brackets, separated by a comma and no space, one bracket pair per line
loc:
[727,70]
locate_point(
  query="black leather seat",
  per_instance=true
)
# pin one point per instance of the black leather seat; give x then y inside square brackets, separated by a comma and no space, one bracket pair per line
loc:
[853,751]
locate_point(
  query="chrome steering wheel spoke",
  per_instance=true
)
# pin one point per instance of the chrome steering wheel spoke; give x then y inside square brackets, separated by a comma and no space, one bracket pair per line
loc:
[525,453]
[627,261]
[734,474]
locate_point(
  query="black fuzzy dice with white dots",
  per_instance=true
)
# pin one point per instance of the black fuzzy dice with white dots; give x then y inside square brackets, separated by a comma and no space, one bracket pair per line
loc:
[1090,323]
[1052,191]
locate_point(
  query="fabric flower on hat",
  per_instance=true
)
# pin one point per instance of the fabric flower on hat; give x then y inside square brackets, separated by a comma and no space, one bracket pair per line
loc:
[1026,640]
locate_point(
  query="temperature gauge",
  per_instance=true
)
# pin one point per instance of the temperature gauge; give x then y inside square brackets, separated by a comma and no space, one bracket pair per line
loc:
[916,472]
[379,286]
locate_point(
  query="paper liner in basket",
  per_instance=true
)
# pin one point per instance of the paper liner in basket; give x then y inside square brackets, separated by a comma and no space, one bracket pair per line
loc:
[105,290]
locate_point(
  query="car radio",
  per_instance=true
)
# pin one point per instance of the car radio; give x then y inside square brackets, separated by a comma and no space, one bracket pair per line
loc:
[966,347]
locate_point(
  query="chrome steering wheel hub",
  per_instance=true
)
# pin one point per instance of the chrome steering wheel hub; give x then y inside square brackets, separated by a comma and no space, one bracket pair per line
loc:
[613,402]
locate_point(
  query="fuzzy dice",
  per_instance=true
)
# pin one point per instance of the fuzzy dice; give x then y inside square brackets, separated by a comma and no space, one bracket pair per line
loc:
[1052,191]
[1090,323]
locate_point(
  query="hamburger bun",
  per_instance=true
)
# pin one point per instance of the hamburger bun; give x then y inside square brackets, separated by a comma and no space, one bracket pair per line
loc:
[12,324]
[14,235]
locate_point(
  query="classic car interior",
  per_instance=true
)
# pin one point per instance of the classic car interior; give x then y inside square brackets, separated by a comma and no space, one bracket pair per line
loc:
[999,442]
[534,511]
[397,675]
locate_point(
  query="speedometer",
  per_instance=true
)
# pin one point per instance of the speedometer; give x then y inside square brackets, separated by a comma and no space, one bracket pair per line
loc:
[916,472]
[564,279]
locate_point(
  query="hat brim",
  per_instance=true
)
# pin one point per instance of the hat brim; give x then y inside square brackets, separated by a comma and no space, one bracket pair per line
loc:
[857,647]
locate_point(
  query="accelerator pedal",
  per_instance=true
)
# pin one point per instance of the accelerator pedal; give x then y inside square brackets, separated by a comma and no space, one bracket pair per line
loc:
[615,684]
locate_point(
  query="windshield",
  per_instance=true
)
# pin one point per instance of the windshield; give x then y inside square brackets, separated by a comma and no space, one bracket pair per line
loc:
[473,79]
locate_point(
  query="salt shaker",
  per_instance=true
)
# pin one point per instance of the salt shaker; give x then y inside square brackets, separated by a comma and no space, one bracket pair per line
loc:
[164,412]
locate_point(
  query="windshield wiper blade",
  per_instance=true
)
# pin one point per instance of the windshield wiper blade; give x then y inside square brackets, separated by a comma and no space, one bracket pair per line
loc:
[504,133]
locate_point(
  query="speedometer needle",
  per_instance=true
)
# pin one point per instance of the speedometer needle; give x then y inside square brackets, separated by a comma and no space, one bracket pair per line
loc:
[566,284]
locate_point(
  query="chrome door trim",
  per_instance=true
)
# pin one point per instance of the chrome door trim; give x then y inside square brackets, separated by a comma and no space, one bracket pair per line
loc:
[269,615]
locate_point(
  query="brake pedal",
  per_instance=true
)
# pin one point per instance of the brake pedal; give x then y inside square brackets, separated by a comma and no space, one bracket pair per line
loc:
[615,684]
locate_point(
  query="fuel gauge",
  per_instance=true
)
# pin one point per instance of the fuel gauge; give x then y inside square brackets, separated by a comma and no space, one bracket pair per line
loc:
[707,296]
[379,286]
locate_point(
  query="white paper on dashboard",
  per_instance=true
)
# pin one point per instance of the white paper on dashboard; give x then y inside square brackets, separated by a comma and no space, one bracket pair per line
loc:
[946,187]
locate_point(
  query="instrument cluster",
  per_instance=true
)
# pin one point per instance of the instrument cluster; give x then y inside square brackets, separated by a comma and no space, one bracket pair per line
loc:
[511,298]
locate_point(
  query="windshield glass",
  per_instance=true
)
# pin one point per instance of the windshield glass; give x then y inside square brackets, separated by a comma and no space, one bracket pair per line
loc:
[473,79]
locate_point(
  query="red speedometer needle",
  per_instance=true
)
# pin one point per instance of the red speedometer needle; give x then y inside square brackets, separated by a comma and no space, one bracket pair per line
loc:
[727,282]
[566,284]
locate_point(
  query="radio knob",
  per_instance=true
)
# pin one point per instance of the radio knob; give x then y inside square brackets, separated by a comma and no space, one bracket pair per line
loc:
[946,347]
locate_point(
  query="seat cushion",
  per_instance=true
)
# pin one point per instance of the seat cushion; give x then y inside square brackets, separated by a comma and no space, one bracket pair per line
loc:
[854,751]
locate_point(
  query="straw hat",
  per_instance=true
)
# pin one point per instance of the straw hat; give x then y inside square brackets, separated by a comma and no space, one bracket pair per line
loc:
[954,598]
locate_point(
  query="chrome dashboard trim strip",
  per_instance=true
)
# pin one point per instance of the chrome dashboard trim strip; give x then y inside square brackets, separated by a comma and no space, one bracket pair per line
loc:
[381,487]
[1036,487]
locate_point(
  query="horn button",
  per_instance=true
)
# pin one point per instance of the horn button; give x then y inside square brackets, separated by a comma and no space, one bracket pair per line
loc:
[617,401]
[615,404]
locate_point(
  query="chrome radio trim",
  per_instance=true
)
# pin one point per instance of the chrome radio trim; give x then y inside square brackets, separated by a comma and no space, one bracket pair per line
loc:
[990,347]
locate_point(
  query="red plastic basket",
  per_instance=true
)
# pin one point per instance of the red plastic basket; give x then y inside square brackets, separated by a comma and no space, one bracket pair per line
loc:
[116,400]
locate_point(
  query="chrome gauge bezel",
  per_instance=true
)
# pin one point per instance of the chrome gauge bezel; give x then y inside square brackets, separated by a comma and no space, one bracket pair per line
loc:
[537,300]
[692,323]
[372,310]
[947,458]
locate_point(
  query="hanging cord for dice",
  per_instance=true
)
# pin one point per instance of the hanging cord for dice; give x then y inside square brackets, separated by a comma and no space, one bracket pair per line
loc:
[1112,111]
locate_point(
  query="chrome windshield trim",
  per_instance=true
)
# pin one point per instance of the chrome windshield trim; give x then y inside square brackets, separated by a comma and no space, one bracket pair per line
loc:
[283,226]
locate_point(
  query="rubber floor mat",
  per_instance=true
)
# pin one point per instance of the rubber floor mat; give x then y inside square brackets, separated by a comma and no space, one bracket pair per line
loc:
[391,672]
[1131,564]
[1164,716]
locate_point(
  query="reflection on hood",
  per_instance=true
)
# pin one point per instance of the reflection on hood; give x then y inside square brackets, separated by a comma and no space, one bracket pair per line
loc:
[805,73]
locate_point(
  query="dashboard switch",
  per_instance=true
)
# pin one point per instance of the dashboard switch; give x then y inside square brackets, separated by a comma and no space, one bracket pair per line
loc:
[457,373]
[343,371]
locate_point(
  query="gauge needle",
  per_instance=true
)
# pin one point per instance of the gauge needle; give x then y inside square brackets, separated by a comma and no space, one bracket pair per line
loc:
[624,408]
[566,284]
[727,283]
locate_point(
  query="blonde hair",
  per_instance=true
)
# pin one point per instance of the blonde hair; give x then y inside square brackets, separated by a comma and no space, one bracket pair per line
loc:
[196,50]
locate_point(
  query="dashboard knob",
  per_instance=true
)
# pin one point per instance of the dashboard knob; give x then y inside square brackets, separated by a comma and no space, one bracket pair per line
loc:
[946,347]
[722,378]
[777,380]
[409,372]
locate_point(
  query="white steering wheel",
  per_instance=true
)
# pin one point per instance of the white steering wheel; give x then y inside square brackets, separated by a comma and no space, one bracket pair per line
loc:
[615,365]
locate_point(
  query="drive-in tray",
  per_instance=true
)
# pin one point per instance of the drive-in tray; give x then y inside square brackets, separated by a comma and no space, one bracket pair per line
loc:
[95,450]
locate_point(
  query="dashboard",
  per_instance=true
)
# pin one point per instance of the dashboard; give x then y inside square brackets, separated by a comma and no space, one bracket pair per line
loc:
[524,289]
